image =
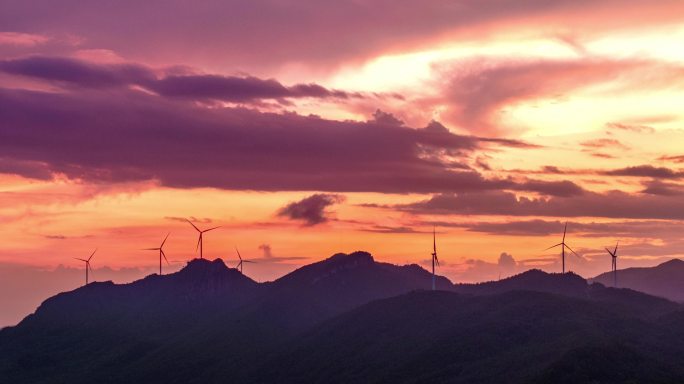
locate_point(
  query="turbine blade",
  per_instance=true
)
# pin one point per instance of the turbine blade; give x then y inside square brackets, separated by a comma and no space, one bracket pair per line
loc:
[92,254]
[554,246]
[164,254]
[193,225]
[81,259]
[572,250]
[616,247]
[238,264]
[249,261]
[238,252]
[150,249]
[565,230]
[609,252]
[199,240]
[211,229]
[162,244]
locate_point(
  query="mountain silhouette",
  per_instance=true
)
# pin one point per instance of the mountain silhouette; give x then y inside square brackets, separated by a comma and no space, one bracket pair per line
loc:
[339,283]
[348,318]
[568,284]
[664,280]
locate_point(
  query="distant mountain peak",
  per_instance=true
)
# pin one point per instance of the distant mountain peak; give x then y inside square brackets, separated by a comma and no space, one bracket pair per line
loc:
[533,280]
[671,263]
[215,265]
[346,267]
[354,257]
[539,273]
[665,279]
[339,262]
[209,271]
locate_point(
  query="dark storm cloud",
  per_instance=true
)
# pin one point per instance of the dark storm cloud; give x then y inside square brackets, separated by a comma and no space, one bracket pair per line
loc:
[614,204]
[123,135]
[642,171]
[662,229]
[552,188]
[657,187]
[79,73]
[27,168]
[311,210]
[646,171]
[236,89]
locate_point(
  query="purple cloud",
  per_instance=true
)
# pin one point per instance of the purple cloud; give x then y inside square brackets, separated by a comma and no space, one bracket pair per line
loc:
[660,229]
[646,171]
[123,135]
[311,210]
[79,73]
[614,204]
[656,187]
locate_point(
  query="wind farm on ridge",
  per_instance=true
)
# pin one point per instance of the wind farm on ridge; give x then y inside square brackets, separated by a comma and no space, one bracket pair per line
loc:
[433,255]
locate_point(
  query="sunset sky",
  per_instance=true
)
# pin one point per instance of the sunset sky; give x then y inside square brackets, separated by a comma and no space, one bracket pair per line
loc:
[306,128]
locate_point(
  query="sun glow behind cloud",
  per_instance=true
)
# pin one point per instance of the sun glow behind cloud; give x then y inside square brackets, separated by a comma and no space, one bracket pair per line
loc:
[585,109]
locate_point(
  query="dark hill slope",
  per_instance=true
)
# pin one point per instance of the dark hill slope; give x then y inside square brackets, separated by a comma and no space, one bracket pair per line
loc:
[515,337]
[568,284]
[329,287]
[664,280]
[202,322]
[104,325]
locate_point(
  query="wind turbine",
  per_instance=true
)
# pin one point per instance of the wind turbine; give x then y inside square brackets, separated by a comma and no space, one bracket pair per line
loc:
[563,246]
[239,264]
[434,256]
[199,241]
[161,253]
[613,266]
[87,263]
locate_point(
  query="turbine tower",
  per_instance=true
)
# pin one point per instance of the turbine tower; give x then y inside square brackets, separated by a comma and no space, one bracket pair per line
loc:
[87,264]
[239,264]
[613,266]
[161,253]
[200,240]
[434,256]
[563,246]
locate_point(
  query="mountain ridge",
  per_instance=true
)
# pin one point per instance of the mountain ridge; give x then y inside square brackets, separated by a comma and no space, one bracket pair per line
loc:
[208,323]
[663,280]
